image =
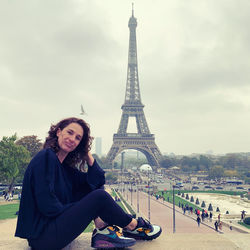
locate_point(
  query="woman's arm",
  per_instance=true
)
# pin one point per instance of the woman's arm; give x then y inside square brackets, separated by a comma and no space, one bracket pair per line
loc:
[94,177]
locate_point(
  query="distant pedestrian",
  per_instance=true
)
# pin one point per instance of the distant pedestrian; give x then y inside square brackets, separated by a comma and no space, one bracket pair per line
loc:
[202,215]
[243,214]
[191,210]
[198,220]
[206,214]
[218,217]
[210,216]
[216,225]
[220,225]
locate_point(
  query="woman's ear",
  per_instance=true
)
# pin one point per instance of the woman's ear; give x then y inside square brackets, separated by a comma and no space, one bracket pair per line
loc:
[58,132]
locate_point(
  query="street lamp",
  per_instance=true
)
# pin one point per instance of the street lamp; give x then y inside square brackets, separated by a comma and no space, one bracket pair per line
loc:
[131,192]
[137,197]
[173,210]
[127,189]
[122,169]
[148,197]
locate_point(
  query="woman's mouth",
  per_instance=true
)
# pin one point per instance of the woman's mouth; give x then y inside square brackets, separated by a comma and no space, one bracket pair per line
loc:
[69,145]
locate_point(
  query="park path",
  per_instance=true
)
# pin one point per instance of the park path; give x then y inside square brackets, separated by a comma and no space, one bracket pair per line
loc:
[162,214]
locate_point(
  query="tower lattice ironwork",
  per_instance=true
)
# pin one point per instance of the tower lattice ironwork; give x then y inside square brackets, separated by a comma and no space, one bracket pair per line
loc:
[143,140]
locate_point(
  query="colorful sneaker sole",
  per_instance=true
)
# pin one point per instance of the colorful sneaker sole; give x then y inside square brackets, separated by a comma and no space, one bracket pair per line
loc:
[102,244]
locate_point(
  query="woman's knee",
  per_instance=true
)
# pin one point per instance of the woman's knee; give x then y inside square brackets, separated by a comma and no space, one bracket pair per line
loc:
[101,194]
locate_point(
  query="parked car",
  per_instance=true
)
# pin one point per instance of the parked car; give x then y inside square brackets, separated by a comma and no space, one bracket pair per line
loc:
[194,187]
[219,187]
[179,186]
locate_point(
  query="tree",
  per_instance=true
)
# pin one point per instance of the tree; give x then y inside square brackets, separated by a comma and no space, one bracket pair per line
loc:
[216,172]
[13,160]
[191,162]
[205,161]
[31,143]
[166,162]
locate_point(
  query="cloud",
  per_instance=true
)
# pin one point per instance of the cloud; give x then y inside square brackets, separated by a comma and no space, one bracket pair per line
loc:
[193,68]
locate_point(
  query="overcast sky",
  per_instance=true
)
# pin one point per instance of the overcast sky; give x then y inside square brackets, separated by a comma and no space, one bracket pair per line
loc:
[193,61]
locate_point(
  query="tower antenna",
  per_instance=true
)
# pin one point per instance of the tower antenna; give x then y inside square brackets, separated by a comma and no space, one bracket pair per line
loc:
[132,9]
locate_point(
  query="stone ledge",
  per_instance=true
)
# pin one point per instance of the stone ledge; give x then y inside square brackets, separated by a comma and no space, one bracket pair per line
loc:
[171,241]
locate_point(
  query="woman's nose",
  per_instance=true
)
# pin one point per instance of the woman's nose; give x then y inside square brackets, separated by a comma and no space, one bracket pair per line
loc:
[72,138]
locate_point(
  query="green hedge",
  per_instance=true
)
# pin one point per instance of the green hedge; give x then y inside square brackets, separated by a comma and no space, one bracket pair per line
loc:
[247,221]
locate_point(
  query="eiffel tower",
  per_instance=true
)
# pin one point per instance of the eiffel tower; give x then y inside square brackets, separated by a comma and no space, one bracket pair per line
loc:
[143,140]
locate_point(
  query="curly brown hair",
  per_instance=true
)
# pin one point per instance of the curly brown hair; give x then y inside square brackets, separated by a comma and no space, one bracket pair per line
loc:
[76,158]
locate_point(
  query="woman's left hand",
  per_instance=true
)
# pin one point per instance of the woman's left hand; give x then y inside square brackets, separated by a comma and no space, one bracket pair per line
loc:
[90,159]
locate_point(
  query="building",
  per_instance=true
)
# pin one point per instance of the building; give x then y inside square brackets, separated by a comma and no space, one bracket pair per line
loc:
[98,146]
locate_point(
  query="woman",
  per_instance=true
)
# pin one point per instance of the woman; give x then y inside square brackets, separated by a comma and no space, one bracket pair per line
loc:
[59,200]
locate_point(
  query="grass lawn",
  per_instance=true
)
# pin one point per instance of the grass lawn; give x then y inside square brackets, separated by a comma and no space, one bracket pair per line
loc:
[213,192]
[245,225]
[168,195]
[8,211]
[178,200]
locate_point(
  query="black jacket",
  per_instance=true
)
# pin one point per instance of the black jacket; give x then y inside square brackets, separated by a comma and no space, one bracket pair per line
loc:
[50,187]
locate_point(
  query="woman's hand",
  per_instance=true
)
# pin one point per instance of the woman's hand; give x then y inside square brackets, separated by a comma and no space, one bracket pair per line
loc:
[90,159]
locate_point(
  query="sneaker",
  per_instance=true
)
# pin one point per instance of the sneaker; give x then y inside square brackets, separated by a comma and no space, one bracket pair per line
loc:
[143,231]
[110,237]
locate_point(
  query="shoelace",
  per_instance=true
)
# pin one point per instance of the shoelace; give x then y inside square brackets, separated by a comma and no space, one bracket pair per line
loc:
[116,230]
[147,227]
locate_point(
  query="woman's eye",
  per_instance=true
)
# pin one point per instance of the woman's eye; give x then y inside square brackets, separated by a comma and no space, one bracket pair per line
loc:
[70,132]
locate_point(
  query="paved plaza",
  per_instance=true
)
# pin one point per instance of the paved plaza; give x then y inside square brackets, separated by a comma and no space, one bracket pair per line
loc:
[162,213]
[188,235]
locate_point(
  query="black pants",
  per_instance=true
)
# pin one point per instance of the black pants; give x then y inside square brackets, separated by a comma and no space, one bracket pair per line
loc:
[72,222]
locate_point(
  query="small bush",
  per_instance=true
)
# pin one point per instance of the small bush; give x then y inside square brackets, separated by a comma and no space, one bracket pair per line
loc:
[192,199]
[203,204]
[247,220]
[217,209]
[197,201]
[187,197]
[210,208]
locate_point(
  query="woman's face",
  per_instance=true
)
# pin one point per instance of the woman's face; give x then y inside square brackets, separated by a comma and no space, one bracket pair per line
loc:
[69,137]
